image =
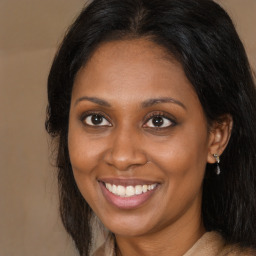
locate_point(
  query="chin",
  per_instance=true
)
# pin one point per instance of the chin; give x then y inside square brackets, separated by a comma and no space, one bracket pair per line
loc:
[130,226]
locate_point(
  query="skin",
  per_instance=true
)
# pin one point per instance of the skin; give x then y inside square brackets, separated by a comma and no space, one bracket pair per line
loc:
[125,75]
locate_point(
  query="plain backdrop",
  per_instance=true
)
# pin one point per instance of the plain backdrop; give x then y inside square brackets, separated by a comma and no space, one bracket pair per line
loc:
[30,31]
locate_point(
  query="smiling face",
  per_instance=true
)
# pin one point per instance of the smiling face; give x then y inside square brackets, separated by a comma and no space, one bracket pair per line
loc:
[138,139]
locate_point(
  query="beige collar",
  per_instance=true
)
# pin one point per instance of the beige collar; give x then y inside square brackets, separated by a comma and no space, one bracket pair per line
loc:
[210,244]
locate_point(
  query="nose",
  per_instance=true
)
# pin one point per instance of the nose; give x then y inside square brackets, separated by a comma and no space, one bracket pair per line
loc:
[125,151]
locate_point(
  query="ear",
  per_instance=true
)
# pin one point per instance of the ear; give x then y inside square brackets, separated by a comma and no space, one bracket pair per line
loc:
[220,132]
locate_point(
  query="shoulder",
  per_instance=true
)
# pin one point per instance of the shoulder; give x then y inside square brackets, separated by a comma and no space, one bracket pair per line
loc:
[235,250]
[213,244]
[210,244]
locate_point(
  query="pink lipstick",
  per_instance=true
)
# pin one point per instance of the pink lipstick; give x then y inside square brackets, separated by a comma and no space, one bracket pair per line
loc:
[127,194]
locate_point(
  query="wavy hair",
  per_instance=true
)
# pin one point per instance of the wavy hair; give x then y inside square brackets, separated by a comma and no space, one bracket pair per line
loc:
[200,35]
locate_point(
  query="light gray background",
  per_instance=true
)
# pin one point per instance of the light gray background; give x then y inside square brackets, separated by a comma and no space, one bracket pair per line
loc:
[30,31]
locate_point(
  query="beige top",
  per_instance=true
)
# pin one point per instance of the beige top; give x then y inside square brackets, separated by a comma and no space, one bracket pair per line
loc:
[210,244]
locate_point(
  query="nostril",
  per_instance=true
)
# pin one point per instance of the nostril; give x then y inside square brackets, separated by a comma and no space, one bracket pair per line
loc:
[124,149]
[124,160]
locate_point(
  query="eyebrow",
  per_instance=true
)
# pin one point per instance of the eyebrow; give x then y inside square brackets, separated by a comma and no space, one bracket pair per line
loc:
[94,100]
[152,102]
[145,104]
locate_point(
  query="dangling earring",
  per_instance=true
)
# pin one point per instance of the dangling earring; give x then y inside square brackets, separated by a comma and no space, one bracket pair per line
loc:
[217,158]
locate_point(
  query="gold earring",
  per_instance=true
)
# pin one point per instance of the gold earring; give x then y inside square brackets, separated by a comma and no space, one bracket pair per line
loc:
[217,158]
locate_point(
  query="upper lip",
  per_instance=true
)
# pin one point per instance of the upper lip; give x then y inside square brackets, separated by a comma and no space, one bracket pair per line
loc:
[127,181]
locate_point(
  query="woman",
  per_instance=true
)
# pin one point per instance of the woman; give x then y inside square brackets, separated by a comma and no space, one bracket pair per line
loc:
[152,104]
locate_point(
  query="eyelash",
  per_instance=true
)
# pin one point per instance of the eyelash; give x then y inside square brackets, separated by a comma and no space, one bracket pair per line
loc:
[171,120]
[91,114]
[148,118]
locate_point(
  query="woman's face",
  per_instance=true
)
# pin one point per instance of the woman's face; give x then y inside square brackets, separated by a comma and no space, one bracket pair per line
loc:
[138,139]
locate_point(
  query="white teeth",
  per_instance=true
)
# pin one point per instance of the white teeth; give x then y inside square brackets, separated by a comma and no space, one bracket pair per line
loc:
[144,188]
[129,190]
[152,186]
[138,190]
[114,189]
[109,186]
[120,190]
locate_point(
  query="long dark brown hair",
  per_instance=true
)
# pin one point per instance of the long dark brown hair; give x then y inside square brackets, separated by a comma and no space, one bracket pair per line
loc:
[201,36]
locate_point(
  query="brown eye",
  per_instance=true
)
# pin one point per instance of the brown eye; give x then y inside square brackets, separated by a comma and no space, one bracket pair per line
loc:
[159,122]
[96,120]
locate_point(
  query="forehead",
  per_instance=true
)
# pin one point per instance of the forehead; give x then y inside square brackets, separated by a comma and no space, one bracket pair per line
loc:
[135,68]
[132,48]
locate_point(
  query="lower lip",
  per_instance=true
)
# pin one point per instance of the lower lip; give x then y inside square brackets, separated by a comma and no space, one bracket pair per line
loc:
[126,202]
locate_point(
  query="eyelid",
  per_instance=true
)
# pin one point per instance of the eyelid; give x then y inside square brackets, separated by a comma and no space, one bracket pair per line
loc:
[91,113]
[161,114]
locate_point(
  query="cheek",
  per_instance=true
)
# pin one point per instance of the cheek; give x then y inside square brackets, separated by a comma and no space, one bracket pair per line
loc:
[84,153]
[182,160]
[183,156]
[83,157]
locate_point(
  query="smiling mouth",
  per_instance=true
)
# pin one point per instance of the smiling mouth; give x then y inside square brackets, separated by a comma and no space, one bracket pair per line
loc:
[129,191]
[127,194]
